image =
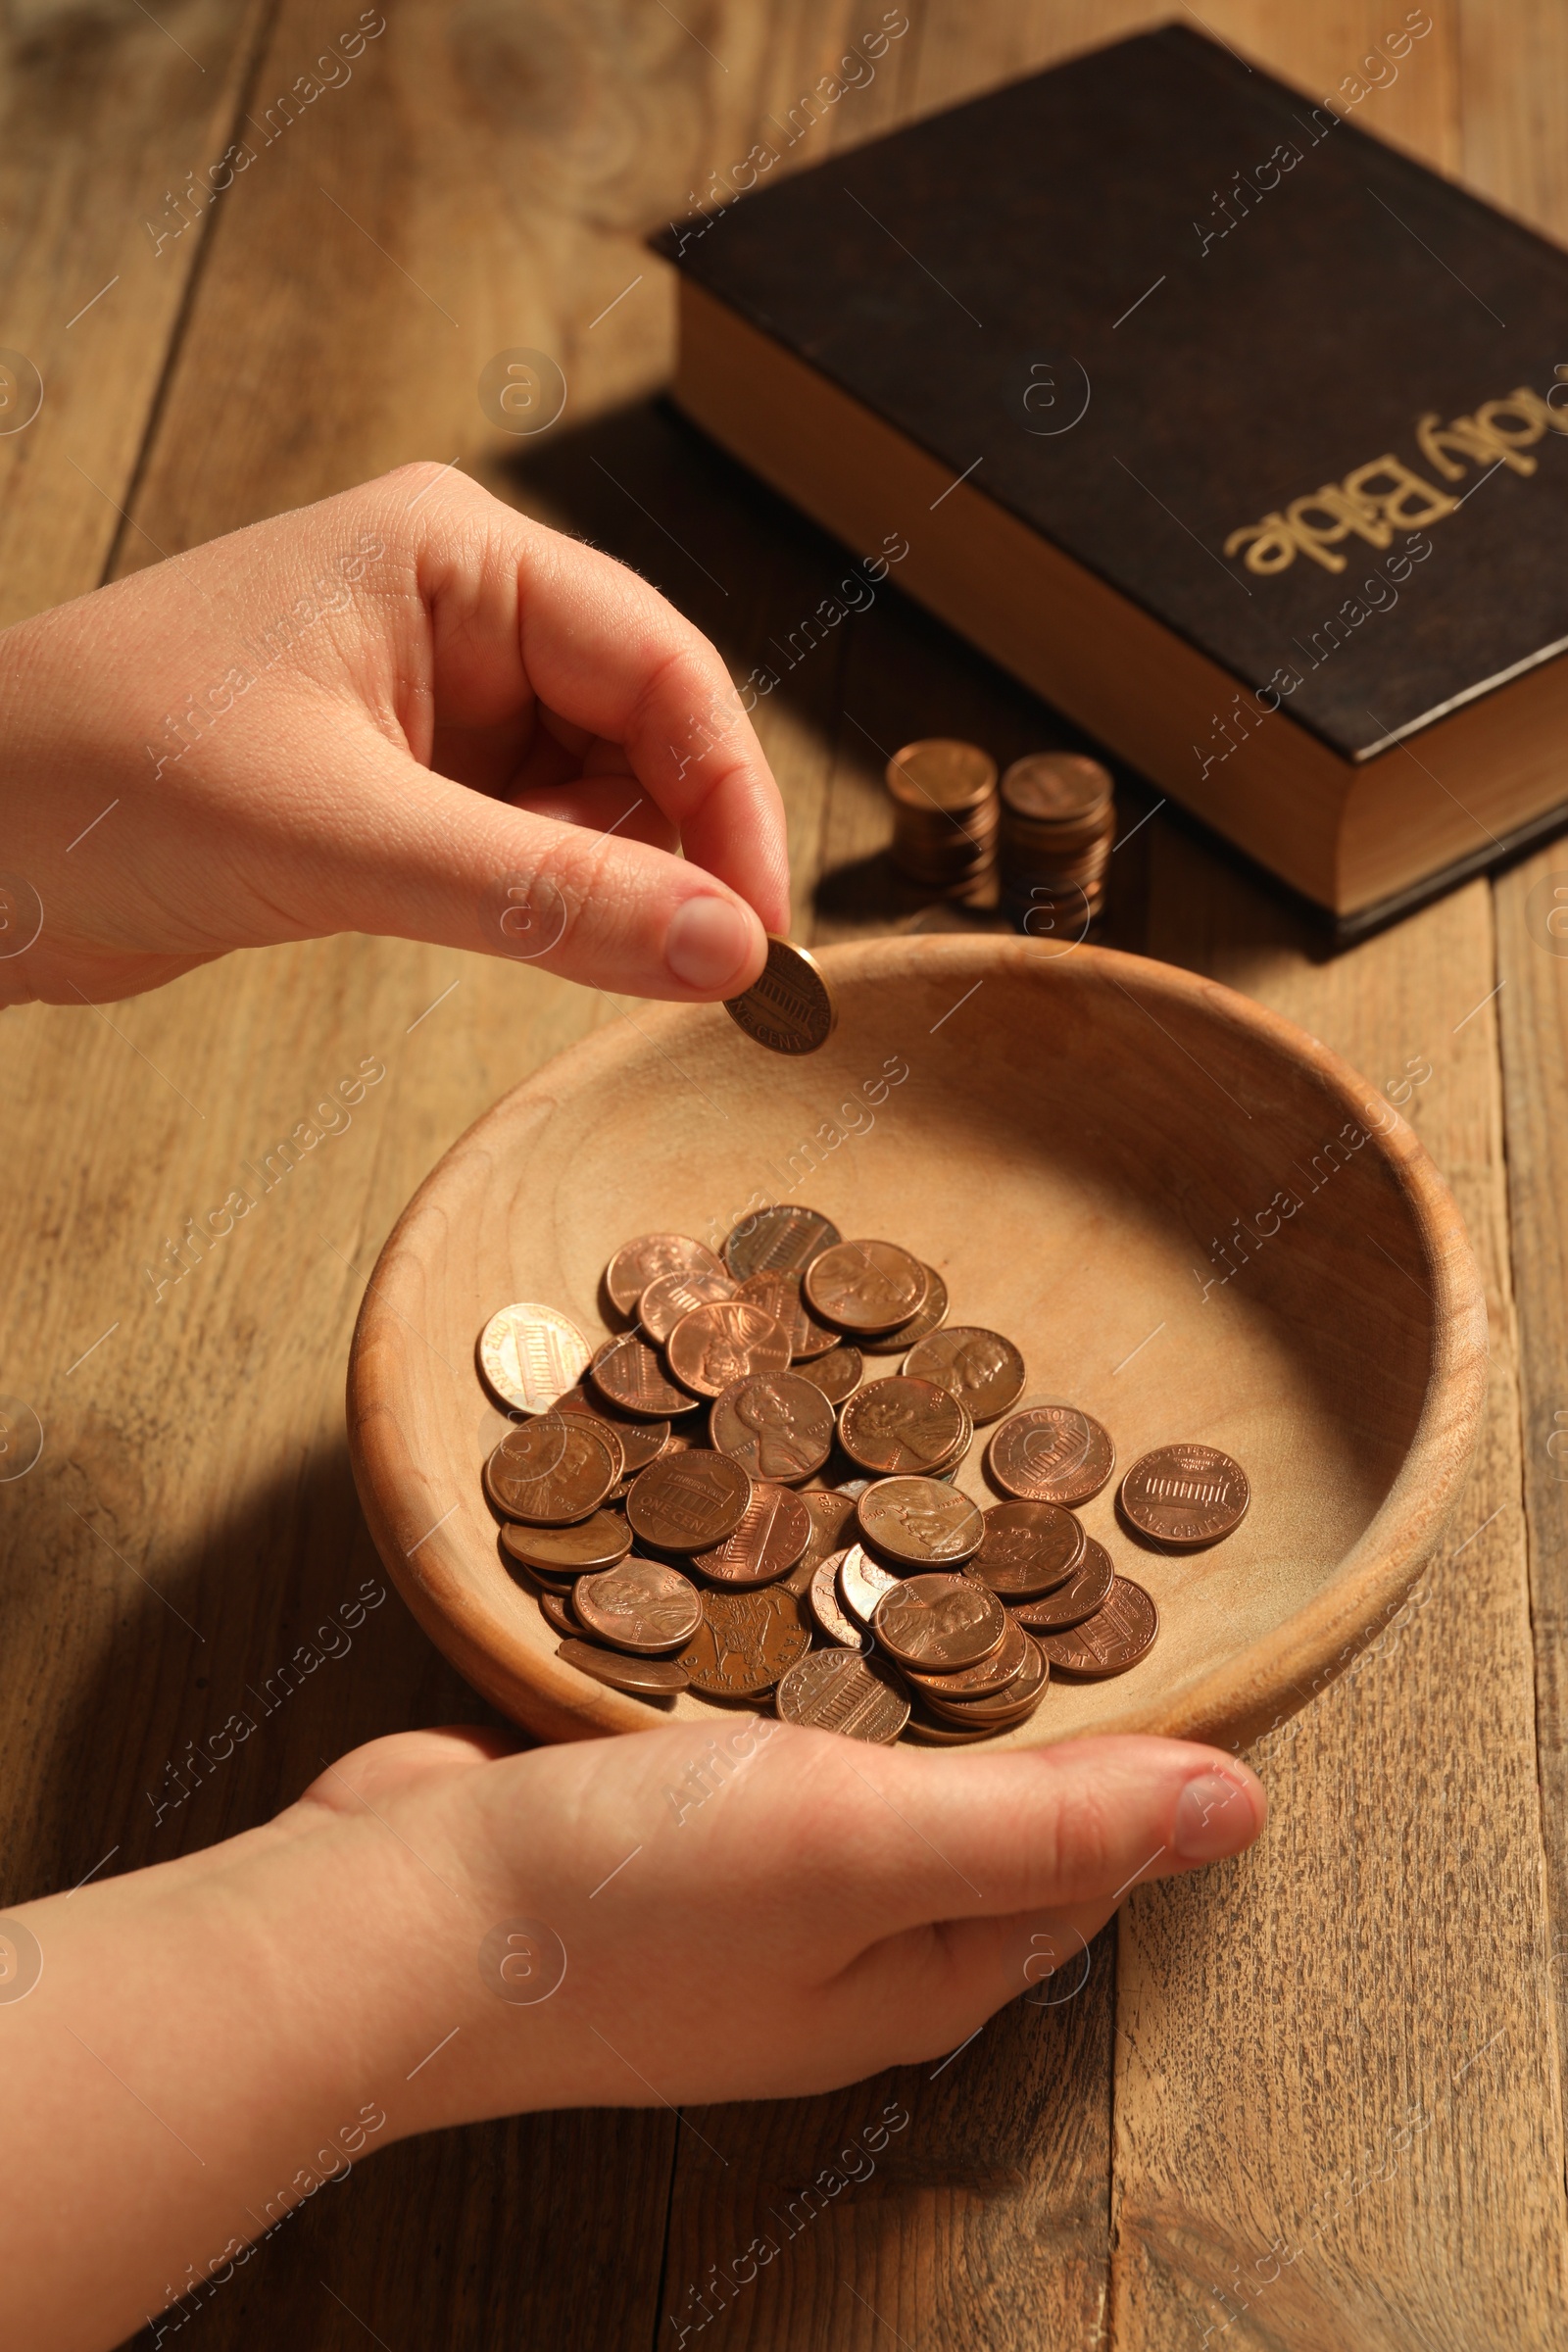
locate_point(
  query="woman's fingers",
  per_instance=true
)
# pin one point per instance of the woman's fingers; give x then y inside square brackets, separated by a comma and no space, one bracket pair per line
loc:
[517,610]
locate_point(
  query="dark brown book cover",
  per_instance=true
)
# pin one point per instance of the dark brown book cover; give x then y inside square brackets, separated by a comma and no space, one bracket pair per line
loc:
[1288,390]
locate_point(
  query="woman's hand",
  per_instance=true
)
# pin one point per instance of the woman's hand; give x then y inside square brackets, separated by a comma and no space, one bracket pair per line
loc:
[440,1931]
[407,709]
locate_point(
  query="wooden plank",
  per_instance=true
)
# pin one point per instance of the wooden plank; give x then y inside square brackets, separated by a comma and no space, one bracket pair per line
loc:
[1327,2131]
[98,139]
[1516,152]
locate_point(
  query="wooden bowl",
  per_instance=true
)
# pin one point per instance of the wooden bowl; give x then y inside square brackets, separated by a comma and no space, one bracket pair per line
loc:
[1196,1222]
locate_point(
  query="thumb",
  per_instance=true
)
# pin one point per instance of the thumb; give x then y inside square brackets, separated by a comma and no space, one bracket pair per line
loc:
[963,1864]
[400,850]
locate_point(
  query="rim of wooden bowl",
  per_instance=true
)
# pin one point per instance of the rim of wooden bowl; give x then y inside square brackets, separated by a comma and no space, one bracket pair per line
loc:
[1243,1695]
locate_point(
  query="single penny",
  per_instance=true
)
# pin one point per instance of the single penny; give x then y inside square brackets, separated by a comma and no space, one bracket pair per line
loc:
[647,1678]
[863,1582]
[1185,1497]
[1029,1549]
[595,1542]
[990,1677]
[640,1606]
[940,1623]
[920,1522]
[556,1611]
[775,1424]
[838,1375]
[640,1441]
[866,1286]
[746,1641]
[983,1370]
[918,1326]
[725,1342]
[929,1732]
[1119,1634]
[1050,1454]
[651,1256]
[1079,1597]
[778,1240]
[553,1471]
[831,1618]
[665,1301]
[790,1008]
[630,1375]
[529,1355]
[774,1529]
[835,1690]
[687,1501]
[1004,1708]
[896,1427]
[779,1295]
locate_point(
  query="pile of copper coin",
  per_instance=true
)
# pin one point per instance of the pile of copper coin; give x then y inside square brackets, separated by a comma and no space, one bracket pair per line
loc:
[943,797]
[746,1492]
[1058,820]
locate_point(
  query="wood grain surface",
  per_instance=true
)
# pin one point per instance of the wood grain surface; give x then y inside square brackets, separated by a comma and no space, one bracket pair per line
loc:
[1313,2097]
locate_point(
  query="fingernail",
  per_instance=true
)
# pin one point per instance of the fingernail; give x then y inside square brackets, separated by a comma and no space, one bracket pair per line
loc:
[1214,1816]
[708,944]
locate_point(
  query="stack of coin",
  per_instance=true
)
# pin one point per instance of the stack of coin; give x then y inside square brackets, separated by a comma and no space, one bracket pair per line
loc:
[1057,822]
[944,797]
[653,1491]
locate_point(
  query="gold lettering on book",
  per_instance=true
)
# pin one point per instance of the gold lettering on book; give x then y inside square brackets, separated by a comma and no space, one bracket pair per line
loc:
[1375,500]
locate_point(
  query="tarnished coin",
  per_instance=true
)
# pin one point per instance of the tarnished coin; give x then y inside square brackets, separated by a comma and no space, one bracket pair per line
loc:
[775,1424]
[1029,1549]
[1185,1497]
[553,1471]
[899,1426]
[983,1370]
[1050,1454]
[991,1677]
[774,1531]
[832,1620]
[866,1286]
[647,1678]
[640,1441]
[863,1583]
[629,1374]
[595,1542]
[665,1301]
[921,1522]
[918,1326]
[687,1501]
[779,1295]
[835,1690]
[778,1240]
[640,1606]
[1083,1593]
[529,1353]
[1004,1708]
[746,1641]
[790,1008]
[651,1256]
[1119,1634]
[940,1623]
[838,1375]
[716,1345]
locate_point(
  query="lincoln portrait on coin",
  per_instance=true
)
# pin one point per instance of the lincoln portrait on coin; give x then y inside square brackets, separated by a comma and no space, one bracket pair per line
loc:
[781,1453]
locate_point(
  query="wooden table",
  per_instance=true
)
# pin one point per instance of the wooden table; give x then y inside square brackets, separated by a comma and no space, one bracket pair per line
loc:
[1307,2100]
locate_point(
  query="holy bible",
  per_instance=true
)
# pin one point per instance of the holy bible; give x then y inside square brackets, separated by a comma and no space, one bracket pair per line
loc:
[1239,436]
